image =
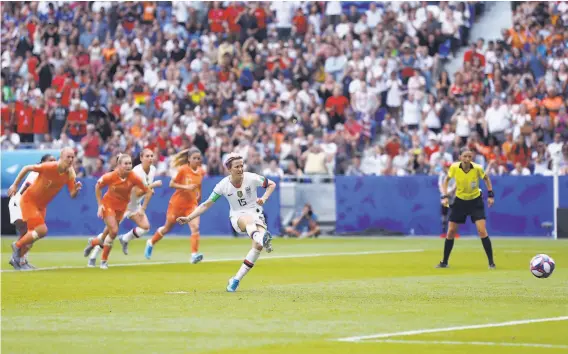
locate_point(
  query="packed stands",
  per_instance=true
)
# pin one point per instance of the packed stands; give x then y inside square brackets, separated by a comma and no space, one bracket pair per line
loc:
[297,88]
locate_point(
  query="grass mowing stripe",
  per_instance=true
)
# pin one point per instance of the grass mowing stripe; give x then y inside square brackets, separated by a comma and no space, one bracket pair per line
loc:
[495,344]
[301,255]
[451,329]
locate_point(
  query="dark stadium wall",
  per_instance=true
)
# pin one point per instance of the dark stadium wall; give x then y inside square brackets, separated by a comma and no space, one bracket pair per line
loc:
[411,205]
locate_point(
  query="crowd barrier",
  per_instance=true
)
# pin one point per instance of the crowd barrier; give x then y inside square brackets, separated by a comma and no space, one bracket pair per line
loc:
[411,205]
[363,205]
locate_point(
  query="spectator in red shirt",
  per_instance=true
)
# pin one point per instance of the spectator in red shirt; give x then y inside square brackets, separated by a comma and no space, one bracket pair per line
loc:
[261,17]
[335,107]
[232,14]
[40,122]
[217,18]
[32,65]
[24,120]
[91,144]
[471,53]
[300,24]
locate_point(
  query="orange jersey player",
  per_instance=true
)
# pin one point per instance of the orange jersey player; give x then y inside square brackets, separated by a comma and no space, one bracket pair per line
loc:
[113,205]
[52,176]
[187,183]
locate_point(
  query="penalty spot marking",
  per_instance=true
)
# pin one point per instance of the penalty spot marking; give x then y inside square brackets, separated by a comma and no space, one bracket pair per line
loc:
[301,255]
[493,344]
[450,329]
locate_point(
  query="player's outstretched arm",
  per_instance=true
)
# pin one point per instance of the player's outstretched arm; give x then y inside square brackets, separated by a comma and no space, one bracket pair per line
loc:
[202,208]
[14,187]
[269,190]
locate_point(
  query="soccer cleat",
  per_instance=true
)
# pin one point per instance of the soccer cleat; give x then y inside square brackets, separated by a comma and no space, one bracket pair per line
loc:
[124,245]
[26,266]
[148,250]
[492,266]
[267,241]
[104,264]
[15,254]
[89,248]
[233,285]
[442,265]
[15,264]
[92,263]
[196,258]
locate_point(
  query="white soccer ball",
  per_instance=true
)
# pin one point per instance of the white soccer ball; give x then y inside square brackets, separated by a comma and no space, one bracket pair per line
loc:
[542,266]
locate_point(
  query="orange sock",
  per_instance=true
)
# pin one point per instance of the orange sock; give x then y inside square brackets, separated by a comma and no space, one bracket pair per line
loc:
[28,239]
[106,251]
[194,242]
[96,242]
[157,237]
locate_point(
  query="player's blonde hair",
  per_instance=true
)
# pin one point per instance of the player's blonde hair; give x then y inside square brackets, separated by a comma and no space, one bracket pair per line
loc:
[120,157]
[182,157]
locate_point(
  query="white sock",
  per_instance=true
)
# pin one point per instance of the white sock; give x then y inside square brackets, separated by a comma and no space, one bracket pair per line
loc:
[95,252]
[136,232]
[257,234]
[100,236]
[193,254]
[248,263]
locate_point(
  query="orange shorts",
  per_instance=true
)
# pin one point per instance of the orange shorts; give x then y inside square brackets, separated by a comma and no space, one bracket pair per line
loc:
[32,214]
[175,211]
[113,210]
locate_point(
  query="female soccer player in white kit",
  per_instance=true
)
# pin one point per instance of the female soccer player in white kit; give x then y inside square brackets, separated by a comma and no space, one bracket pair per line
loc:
[246,211]
[146,171]
[16,210]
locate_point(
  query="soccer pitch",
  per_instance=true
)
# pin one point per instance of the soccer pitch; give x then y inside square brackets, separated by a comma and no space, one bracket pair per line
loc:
[334,295]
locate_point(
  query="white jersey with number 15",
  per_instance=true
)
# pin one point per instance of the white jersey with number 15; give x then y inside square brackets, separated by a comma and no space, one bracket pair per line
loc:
[240,199]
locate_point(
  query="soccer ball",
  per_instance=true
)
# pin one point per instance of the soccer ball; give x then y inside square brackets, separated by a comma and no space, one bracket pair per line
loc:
[542,266]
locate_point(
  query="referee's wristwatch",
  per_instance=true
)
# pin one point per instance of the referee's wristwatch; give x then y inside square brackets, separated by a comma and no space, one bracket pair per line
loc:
[490,194]
[445,196]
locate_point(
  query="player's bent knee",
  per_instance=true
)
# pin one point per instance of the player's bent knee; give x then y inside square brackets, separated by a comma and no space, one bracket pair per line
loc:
[108,241]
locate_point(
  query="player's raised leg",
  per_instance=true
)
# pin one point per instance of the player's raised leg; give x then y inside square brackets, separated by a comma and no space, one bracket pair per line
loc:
[111,222]
[196,257]
[261,238]
[143,226]
[158,235]
[94,244]
[37,229]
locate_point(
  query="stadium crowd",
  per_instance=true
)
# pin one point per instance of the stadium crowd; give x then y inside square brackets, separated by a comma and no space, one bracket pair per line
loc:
[296,88]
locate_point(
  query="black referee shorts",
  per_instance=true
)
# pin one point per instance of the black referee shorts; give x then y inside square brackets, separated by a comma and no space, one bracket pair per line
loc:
[461,209]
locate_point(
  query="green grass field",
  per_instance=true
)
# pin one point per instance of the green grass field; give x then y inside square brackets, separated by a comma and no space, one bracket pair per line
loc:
[302,298]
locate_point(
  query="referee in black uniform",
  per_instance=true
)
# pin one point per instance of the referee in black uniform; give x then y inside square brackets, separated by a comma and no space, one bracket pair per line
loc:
[468,202]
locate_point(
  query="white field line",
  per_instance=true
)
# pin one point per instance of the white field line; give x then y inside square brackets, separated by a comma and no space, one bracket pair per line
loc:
[301,255]
[450,329]
[494,344]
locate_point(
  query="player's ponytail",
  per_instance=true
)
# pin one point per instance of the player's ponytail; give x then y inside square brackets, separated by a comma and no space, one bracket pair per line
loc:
[182,157]
[45,158]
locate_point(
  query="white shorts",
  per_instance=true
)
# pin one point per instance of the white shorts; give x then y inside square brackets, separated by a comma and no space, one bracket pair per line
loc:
[131,210]
[258,220]
[15,209]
